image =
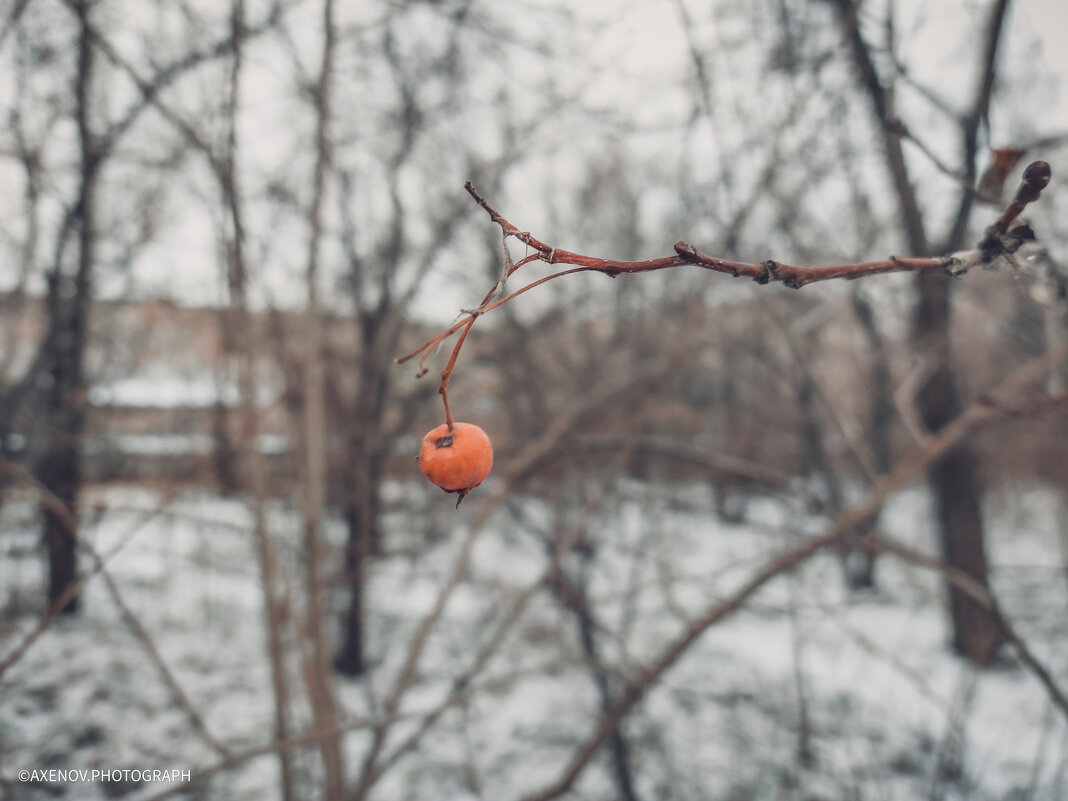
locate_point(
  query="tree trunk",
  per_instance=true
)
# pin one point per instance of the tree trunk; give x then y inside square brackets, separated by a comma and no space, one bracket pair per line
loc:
[350,657]
[573,596]
[224,454]
[953,479]
[825,490]
[361,519]
[859,562]
[239,334]
[365,461]
[64,348]
[318,677]
[1055,325]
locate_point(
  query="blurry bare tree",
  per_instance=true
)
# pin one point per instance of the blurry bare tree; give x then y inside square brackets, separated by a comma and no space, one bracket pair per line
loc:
[317,660]
[384,264]
[869,44]
[954,480]
[50,395]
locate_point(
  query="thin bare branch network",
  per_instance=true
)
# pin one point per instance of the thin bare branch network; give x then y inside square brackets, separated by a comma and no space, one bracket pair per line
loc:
[1000,241]
[1057,694]
[1009,397]
[133,622]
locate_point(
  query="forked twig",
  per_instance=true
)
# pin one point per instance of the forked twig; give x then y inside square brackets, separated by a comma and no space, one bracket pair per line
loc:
[999,241]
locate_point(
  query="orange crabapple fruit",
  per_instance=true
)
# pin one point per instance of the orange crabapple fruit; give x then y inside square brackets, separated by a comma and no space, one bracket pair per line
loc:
[457,460]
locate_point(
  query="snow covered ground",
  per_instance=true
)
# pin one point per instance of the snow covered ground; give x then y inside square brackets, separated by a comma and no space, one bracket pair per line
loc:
[809,692]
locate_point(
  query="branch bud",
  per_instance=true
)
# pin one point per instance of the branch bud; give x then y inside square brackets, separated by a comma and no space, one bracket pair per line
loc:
[1035,178]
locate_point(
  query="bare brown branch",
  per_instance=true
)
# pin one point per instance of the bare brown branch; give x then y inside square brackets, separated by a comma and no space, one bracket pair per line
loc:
[998,242]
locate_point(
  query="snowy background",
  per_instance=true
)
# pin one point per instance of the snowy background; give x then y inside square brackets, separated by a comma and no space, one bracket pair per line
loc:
[888,713]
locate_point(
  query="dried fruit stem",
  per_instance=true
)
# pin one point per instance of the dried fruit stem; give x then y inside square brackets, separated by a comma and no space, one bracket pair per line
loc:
[446,373]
